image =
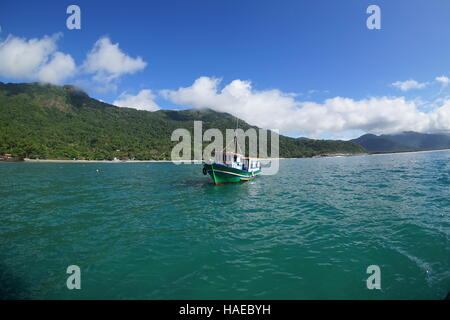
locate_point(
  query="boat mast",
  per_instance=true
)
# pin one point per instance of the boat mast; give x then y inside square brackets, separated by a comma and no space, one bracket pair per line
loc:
[237,148]
[236,144]
[235,136]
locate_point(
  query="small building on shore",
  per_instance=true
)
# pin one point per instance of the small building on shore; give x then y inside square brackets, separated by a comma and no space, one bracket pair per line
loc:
[8,157]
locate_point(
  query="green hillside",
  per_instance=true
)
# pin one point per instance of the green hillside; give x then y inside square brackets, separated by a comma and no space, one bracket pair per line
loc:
[63,122]
[404,141]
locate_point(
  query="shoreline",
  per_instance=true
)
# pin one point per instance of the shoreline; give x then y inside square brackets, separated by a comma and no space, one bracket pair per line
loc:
[176,161]
[92,161]
[406,152]
[199,162]
[122,161]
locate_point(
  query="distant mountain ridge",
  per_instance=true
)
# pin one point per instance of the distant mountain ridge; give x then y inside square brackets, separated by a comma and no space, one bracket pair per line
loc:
[63,122]
[405,141]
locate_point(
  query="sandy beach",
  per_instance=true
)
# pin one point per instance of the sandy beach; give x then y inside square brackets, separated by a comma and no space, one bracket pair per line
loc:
[199,162]
[93,161]
[176,161]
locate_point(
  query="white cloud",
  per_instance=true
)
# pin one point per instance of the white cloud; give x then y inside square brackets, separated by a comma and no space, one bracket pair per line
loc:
[108,62]
[338,116]
[443,80]
[409,85]
[35,59]
[144,100]
[60,67]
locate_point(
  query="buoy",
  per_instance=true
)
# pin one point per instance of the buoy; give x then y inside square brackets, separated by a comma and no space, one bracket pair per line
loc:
[97,170]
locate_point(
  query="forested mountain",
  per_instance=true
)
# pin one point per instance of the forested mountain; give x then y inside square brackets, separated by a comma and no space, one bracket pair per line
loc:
[63,122]
[405,141]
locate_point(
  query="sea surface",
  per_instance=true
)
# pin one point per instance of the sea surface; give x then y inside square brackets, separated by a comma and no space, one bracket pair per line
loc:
[164,231]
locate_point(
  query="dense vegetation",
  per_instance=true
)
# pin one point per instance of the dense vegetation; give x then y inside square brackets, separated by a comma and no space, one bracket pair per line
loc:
[63,122]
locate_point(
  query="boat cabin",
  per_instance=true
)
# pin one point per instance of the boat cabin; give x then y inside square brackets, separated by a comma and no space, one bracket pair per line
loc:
[237,161]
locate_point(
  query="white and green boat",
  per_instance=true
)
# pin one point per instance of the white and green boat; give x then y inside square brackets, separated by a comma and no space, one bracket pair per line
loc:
[230,167]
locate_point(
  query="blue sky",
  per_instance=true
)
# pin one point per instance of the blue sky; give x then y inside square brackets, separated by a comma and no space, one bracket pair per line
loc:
[294,54]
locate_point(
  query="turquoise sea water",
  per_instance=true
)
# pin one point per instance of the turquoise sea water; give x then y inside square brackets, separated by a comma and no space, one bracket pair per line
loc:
[163,231]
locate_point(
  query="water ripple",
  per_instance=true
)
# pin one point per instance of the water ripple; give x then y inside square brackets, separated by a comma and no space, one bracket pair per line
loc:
[163,231]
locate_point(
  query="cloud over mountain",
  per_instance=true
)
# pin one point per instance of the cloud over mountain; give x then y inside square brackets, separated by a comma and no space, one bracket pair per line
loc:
[35,59]
[336,116]
[144,100]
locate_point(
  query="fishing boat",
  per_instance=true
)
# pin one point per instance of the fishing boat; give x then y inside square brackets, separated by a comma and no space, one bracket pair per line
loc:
[229,167]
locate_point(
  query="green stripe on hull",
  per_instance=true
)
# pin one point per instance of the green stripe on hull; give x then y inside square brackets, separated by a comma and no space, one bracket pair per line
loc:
[222,174]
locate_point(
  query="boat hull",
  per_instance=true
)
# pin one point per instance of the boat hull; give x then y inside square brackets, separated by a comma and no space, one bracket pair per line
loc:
[223,174]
